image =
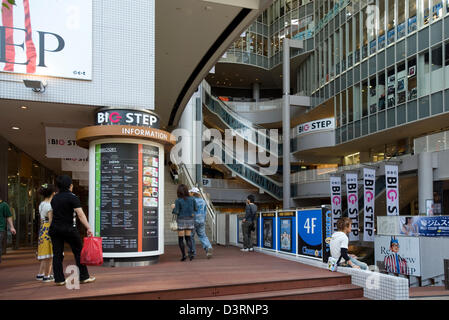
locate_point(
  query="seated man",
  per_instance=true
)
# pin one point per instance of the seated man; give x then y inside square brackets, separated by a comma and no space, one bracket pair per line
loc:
[339,245]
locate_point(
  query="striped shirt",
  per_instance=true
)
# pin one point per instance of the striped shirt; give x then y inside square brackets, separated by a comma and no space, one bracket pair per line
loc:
[396,264]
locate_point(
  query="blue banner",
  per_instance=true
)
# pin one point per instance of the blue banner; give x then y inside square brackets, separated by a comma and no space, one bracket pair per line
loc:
[437,226]
[310,233]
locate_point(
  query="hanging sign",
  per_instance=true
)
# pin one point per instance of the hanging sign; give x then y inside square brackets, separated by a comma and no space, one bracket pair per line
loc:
[392,189]
[353,204]
[61,143]
[335,184]
[369,194]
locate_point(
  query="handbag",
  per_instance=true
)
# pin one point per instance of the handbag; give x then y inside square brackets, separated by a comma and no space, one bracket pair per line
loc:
[174,223]
[92,252]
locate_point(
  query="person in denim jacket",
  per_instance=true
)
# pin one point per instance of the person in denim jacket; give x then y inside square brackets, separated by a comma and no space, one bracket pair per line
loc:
[184,209]
[200,223]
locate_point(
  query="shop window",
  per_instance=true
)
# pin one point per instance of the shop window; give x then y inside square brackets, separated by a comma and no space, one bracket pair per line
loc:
[412,79]
[401,83]
[372,100]
[391,81]
[381,91]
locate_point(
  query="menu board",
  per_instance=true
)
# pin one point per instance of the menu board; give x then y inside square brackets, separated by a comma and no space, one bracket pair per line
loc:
[127,194]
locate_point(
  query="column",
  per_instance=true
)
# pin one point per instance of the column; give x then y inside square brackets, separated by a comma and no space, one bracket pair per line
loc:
[286,124]
[256,91]
[425,180]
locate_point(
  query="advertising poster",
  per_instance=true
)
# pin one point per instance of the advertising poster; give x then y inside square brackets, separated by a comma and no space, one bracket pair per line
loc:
[310,232]
[61,143]
[127,197]
[268,230]
[352,191]
[48,38]
[335,185]
[369,191]
[397,254]
[286,231]
[436,226]
[392,189]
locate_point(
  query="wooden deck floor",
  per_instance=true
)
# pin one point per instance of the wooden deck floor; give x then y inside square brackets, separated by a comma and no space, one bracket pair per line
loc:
[166,280]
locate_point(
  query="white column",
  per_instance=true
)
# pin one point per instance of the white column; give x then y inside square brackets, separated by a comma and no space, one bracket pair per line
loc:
[286,125]
[256,91]
[425,180]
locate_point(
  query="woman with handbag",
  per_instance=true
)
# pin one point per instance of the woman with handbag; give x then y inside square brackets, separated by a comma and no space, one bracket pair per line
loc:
[185,206]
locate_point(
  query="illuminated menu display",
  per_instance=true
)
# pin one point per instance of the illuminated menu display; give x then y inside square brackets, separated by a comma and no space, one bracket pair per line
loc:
[127,194]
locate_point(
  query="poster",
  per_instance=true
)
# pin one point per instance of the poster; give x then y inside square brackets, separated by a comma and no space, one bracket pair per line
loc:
[352,192]
[48,38]
[310,232]
[327,231]
[397,254]
[369,195]
[268,230]
[335,185]
[392,189]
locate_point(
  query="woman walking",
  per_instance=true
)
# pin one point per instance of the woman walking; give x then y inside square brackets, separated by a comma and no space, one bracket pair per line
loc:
[185,206]
[45,248]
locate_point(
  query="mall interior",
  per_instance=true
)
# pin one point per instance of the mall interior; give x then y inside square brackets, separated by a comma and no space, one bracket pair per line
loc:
[371,78]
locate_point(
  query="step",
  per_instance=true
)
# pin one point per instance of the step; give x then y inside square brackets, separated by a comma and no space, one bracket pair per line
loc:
[337,292]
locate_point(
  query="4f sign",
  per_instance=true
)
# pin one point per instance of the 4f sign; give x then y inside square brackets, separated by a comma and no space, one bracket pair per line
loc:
[392,189]
[47,37]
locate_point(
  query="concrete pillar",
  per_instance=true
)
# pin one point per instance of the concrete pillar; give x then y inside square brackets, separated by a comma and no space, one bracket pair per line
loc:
[425,180]
[256,91]
[286,124]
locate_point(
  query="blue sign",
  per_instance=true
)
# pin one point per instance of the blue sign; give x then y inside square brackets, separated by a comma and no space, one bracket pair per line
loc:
[286,231]
[437,226]
[310,233]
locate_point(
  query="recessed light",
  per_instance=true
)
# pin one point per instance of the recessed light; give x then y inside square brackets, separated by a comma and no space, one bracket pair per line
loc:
[24,107]
[15,128]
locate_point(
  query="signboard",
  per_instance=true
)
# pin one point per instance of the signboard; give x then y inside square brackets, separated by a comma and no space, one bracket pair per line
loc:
[369,195]
[127,197]
[392,189]
[310,233]
[47,37]
[317,125]
[61,143]
[268,230]
[335,185]
[138,118]
[397,254]
[353,204]
[436,226]
[286,231]
[327,232]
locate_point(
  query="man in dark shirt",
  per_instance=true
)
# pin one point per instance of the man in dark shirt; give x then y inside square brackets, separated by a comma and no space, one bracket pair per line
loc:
[66,206]
[5,218]
[248,223]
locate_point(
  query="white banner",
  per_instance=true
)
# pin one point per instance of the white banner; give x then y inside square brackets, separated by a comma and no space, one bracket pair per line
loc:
[61,143]
[78,165]
[317,125]
[353,204]
[392,189]
[335,184]
[369,195]
[60,44]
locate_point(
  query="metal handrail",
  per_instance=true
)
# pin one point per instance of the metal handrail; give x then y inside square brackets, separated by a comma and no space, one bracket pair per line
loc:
[185,178]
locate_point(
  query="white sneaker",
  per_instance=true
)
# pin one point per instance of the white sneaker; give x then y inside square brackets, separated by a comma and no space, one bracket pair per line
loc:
[244,250]
[251,249]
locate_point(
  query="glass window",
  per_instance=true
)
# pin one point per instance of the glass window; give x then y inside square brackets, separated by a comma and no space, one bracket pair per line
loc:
[391,24]
[381,91]
[391,90]
[381,30]
[423,74]
[437,9]
[364,98]
[425,13]
[412,21]
[437,82]
[372,96]
[357,38]
[356,102]
[401,83]
[350,43]
[365,34]
[343,108]
[412,82]
[401,19]
[337,109]
[446,62]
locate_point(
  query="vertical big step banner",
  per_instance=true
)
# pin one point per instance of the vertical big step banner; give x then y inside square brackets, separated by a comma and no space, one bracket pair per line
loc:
[369,195]
[335,184]
[353,204]
[392,189]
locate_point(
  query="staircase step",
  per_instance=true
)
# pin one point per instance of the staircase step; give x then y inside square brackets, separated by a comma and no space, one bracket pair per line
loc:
[336,292]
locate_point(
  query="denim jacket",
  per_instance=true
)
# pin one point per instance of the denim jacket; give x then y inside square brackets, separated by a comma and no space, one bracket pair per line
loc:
[200,214]
[185,208]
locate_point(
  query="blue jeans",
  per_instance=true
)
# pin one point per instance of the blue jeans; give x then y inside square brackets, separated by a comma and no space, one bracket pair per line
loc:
[200,230]
[362,265]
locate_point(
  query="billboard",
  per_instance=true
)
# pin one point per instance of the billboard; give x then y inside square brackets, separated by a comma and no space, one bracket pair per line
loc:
[310,232]
[47,38]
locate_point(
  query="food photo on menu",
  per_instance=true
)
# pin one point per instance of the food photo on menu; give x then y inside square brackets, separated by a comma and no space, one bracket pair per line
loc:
[150,171]
[151,161]
[150,192]
[150,181]
[149,202]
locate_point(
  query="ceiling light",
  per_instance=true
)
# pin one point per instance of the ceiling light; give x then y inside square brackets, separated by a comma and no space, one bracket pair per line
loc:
[24,107]
[15,128]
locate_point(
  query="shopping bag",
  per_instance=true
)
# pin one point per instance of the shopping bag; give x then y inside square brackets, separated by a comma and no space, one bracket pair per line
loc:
[92,252]
[332,264]
[174,223]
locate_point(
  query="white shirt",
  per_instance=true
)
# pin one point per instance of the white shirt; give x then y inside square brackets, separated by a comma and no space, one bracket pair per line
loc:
[44,208]
[338,240]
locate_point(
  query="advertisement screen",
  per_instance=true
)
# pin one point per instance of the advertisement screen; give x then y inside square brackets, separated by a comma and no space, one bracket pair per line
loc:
[286,234]
[310,233]
[268,231]
[127,197]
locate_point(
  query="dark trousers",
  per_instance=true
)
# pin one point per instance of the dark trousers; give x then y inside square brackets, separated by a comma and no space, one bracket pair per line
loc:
[69,234]
[2,236]
[247,228]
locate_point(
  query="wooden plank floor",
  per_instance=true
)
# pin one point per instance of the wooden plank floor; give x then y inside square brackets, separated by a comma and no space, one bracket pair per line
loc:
[229,266]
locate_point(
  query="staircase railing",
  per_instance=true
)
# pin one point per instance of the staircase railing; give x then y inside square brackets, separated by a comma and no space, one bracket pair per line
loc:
[186,178]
